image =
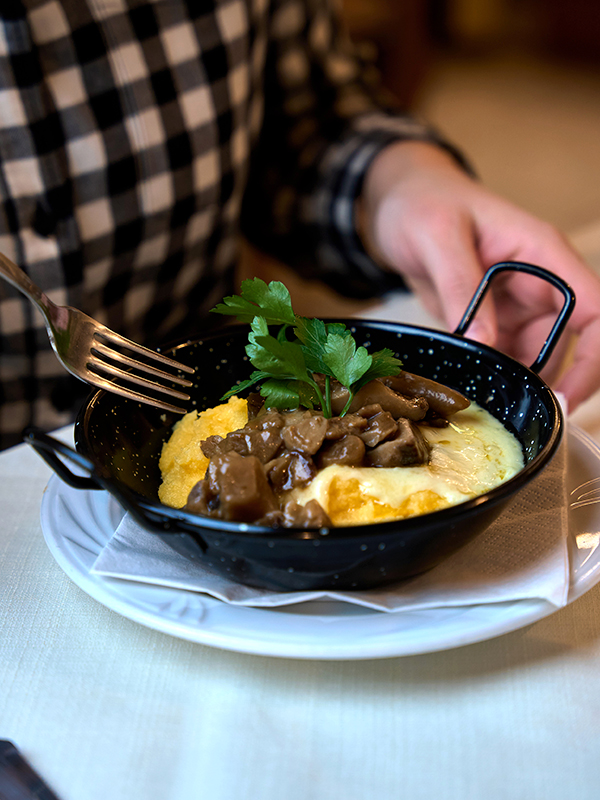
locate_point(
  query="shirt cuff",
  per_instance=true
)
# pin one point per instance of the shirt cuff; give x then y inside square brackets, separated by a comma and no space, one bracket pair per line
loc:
[341,251]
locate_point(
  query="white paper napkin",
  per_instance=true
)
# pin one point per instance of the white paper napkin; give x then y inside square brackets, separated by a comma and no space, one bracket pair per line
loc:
[523,555]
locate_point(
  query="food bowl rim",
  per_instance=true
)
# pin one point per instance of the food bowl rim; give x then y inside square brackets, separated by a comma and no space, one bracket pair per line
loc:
[249,530]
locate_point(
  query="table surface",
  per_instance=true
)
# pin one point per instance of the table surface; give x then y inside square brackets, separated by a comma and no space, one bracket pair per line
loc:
[106,708]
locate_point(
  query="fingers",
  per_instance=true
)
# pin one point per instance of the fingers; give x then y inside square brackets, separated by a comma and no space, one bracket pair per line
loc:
[526,344]
[441,230]
[534,310]
[582,379]
[452,271]
[527,308]
[433,246]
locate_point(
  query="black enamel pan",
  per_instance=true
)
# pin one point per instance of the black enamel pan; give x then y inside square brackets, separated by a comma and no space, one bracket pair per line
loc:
[119,441]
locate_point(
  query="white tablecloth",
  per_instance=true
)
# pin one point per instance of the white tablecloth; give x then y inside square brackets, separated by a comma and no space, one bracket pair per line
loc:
[106,708]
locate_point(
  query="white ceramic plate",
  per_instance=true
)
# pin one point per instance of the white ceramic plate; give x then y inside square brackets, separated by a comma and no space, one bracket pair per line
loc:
[77,524]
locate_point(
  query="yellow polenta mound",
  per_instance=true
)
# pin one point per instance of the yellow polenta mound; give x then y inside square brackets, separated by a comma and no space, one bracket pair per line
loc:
[348,504]
[182,462]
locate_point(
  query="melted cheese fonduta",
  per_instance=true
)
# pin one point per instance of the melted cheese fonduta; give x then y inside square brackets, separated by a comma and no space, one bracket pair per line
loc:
[472,455]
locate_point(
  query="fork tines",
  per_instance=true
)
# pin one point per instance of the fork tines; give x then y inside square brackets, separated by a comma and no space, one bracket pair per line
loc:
[123,366]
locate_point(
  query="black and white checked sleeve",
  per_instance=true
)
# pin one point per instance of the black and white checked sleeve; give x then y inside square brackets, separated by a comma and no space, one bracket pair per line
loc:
[132,132]
[325,120]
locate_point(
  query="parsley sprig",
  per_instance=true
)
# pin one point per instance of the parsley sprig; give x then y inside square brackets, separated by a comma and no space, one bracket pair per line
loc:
[285,368]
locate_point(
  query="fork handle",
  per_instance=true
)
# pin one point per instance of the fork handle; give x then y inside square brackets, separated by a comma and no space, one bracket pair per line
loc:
[20,280]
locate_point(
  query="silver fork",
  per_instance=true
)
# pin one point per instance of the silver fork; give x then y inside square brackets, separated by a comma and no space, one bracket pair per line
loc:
[87,349]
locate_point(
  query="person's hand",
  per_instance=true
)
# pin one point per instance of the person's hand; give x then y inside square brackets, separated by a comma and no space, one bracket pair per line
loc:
[424,217]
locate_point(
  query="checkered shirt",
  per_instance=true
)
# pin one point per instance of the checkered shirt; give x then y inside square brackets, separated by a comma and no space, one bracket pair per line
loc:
[139,138]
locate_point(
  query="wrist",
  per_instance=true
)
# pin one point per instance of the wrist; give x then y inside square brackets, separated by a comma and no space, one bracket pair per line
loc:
[402,170]
[400,161]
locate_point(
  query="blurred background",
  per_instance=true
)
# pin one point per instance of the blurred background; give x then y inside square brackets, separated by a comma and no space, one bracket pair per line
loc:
[515,83]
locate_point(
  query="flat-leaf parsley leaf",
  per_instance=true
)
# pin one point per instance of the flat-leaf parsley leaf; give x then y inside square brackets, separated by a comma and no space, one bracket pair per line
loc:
[285,368]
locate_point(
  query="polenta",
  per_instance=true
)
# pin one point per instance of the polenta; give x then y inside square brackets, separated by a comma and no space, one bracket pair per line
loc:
[182,463]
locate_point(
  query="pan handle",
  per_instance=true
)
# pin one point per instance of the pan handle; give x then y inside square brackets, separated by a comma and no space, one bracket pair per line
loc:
[50,449]
[540,272]
[160,520]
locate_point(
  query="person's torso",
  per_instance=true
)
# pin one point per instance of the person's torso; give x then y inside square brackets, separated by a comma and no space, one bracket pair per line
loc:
[125,132]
